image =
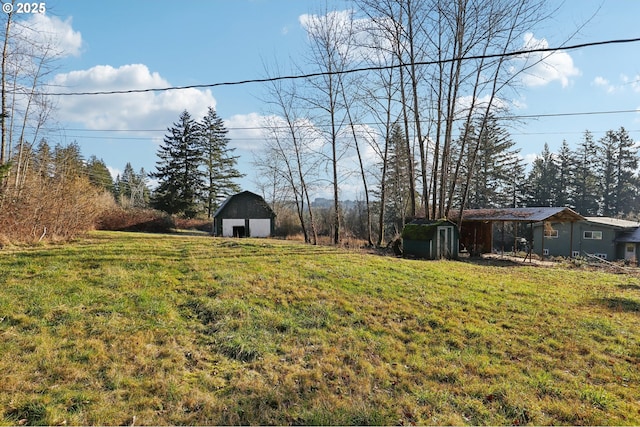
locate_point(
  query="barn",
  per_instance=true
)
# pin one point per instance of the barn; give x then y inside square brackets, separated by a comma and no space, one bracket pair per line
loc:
[245,214]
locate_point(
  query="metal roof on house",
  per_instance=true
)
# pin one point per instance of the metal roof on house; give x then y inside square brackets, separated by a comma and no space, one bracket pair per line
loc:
[629,236]
[535,214]
[614,222]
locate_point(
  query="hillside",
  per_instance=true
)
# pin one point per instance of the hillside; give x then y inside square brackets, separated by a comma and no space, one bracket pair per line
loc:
[123,328]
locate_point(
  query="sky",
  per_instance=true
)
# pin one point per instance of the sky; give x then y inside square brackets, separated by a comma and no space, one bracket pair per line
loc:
[140,44]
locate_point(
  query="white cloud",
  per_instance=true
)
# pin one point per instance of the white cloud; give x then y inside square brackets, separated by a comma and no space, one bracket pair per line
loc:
[246,131]
[50,31]
[542,68]
[604,83]
[634,81]
[351,35]
[148,110]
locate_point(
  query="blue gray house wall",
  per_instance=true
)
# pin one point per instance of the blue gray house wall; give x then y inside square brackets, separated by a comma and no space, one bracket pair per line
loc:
[576,242]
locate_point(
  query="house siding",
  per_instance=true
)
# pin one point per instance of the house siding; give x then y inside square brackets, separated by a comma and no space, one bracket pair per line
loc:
[565,246]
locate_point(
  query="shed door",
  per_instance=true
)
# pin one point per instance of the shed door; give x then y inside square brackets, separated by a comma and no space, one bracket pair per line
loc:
[444,242]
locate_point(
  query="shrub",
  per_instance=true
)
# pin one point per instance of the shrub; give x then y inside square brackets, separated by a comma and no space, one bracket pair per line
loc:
[141,220]
[45,208]
[194,224]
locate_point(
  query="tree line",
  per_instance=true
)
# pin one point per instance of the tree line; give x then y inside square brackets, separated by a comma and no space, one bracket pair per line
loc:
[55,193]
[597,177]
[419,132]
[593,177]
[409,126]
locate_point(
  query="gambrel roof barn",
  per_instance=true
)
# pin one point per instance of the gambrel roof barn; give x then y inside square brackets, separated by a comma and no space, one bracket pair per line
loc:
[245,214]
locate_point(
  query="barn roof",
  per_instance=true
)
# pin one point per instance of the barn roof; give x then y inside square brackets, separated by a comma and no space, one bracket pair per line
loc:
[535,214]
[244,193]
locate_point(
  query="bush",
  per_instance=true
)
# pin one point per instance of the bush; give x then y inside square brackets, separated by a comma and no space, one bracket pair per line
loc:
[194,224]
[141,220]
[45,208]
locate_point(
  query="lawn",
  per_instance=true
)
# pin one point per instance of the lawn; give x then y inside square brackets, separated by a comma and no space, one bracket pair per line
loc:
[124,328]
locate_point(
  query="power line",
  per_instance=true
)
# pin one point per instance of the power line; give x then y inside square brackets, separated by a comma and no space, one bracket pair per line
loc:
[355,70]
[514,117]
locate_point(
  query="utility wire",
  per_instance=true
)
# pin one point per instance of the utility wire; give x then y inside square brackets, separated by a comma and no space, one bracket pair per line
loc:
[514,117]
[355,70]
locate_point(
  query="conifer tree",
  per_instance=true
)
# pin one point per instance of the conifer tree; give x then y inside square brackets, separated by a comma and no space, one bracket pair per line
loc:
[178,171]
[566,171]
[397,181]
[131,188]
[618,164]
[98,174]
[542,181]
[219,164]
[585,193]
[496,172]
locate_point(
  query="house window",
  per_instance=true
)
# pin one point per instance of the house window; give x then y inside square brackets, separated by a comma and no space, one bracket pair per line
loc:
[593,235]
[575,254]
[601,256]
[551,234]
[545,252]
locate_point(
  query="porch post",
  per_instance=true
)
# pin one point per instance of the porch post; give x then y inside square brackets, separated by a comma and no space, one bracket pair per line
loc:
[542,244]
[571,242]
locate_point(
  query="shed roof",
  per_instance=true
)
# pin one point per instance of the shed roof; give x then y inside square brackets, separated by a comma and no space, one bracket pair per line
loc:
[534,214]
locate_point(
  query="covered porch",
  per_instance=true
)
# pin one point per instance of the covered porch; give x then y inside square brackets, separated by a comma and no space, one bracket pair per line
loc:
[477,227]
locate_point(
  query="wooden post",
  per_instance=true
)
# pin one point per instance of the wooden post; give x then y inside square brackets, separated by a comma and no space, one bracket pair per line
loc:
[571,242]
[502,238]
[542,244]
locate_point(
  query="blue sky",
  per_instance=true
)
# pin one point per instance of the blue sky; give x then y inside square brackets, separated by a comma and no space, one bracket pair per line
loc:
[136,44]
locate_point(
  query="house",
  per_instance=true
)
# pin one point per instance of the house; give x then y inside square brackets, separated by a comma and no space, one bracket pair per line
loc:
[606,238]
[245,214]
[478,227]
[422,238]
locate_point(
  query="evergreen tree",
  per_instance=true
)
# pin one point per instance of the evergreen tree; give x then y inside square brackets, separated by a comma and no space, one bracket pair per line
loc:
[542,180]
[43,159]
[397,182]
[566,168]
[497,171]
[585,194]
[178,171]
[67,160]
[219,164]
[98,174]
[131,188]
[619,161]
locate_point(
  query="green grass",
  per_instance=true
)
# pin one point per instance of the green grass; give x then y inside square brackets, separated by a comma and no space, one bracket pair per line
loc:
[122,328]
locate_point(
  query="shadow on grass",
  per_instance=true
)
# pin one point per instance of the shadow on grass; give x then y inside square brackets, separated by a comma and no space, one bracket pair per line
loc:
[620,304]
[630,287]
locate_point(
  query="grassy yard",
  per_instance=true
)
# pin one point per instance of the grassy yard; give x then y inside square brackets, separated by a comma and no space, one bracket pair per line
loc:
[123,328]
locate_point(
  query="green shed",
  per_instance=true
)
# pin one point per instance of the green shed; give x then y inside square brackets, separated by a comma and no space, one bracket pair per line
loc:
[423,238]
